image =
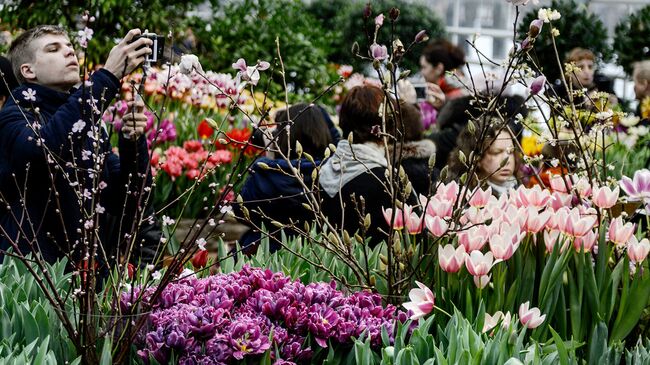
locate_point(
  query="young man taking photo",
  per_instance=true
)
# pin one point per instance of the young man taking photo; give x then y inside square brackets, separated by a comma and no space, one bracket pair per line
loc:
[60,180]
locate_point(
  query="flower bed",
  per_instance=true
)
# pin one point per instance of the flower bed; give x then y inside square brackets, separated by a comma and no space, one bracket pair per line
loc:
[243,315]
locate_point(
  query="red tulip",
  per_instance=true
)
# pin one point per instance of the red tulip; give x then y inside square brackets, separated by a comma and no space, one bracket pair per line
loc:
[200,259]
[205,130]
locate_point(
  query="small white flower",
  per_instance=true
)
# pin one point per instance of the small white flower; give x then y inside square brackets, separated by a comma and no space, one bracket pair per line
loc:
[156,275]
[150,267]
[78,126]
[201,243]
[189,62]
[211,222]
[555,162]
[187,274]
[29,94]
[166,221]
[100,209]
[88,224]
[102,185]
[85,155]
[604,115]
[226,209]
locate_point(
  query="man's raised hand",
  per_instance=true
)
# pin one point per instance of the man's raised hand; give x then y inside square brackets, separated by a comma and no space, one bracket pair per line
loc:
[126,56]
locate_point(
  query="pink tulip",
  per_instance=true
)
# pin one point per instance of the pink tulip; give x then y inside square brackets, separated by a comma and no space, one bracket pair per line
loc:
[481,281]
[583,187]
[637,250]
[413,221]
[479,264]
[448,192]
[620,233]
[492,321]
[535,221]
[561,184]
[551,238]
[451,259]
[473,215]
[479,197]
[575,224]
[637,188]
[436,225]
[379,20]
[437,207]
[586,242]
[422,301]
[530,318]
[604,197]
[474,238]
[502,246]
[559,200]
[398,223]
[533,197]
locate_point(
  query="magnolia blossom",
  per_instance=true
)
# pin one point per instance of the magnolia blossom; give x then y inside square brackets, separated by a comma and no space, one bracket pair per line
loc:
[533,31]
[422,301]
[531,318]
[250,73]
[379,20]
[378,52]
[637,188]
[189,63]
[479,264]
[421,36]
[538,84]
[619,233]
[604,197]
[637,250]
[451,259]
[491,321]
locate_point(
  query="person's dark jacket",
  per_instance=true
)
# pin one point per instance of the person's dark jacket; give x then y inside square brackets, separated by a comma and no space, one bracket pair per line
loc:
[279,195]
[452,119]
[415,161]
[51,217]
[365,194]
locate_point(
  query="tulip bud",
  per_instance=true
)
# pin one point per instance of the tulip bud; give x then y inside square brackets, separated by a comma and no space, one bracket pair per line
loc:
[200,259]
[130,269]
[393,14]
[421,36]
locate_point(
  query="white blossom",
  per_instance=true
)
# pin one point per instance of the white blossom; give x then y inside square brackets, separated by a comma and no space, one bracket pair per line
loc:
[78,126]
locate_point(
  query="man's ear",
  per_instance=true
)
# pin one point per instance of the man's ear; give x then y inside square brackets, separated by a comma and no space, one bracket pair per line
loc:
[27,71]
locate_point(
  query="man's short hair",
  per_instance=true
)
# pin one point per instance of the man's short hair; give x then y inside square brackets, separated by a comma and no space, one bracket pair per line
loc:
[642,70]
[578,54]
[21,52]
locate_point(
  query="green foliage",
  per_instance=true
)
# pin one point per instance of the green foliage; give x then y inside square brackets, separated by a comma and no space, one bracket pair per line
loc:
[345,18]
[578,28]
[113,18]
[248,29]
[29,326]
[631,38]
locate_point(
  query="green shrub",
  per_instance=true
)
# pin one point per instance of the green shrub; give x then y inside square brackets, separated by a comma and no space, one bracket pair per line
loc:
[632,39]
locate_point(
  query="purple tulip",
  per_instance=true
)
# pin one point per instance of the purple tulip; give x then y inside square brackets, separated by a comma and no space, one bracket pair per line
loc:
[537,85]
[378,52]
[637,188]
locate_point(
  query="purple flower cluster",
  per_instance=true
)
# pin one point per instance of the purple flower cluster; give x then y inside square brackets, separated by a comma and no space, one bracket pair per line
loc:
[225,318]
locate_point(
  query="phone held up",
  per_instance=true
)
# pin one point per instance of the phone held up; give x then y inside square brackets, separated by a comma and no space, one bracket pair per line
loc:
[157,48]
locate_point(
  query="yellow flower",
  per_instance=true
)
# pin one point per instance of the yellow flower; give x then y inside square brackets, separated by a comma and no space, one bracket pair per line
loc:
[645,108]
[531,145]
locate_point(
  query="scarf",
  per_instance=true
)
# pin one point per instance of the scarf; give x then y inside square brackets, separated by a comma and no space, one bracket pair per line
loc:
[348,162]
[500,189]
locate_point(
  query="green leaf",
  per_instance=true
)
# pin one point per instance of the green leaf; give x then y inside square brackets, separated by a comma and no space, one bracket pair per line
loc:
[561,349]
[407,357]
[106,357]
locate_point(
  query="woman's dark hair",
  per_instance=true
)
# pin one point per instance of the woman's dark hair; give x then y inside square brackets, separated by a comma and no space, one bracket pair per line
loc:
[411,121]
[443,51]
[487,128]
[309,128]
[360,113]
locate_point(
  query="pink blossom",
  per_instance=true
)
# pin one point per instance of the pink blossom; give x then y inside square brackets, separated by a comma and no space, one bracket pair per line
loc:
[503,246]
[575,224]
[479,264]
[240,65]
[378,52]
[538,84]
[480,198]
[451,259]
[448,192]
[559,200]
[435,225]
[398,223]
[637,188]
[533,197]
[530,318]
[413,221]
[604,197]
[637,250]
[620,233]
[551,238]
[437,207]
[379,20]
[561,184]
[482,281]
[535,221]
[474,238]
[491,321]
[422,301]
[586,243]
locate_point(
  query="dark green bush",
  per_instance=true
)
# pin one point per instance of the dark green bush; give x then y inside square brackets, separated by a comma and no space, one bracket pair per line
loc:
[632,39]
